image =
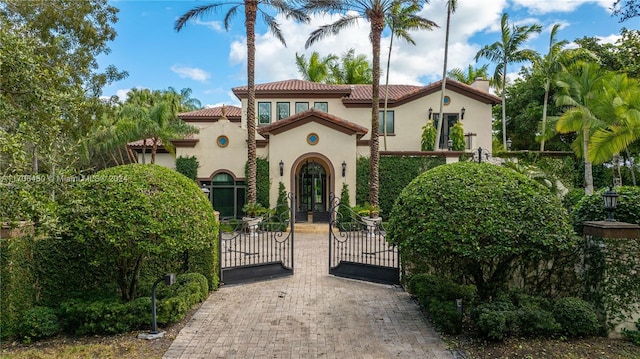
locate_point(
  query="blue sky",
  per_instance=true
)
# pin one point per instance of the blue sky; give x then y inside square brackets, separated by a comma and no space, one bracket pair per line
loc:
[211,61]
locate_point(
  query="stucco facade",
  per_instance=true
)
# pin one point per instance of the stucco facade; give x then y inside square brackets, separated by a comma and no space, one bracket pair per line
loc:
[316,132]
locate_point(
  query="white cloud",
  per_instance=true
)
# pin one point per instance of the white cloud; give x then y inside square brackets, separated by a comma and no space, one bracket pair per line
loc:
[191,72]
[611,39]
[548,6]
[213,25]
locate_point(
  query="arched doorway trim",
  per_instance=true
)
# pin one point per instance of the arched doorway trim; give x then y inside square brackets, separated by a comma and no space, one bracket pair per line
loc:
[312,188]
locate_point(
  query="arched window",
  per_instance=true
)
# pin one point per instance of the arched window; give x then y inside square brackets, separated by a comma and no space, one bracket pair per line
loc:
[226,194]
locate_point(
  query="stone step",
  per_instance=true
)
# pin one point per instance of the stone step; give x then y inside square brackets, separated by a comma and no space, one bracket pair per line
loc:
[312,228]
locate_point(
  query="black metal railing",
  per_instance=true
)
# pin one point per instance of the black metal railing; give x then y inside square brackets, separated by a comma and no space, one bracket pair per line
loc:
[358,247]
[257,248]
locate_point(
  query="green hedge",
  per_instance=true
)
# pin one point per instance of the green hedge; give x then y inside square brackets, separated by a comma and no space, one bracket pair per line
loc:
[111,316]
[591,208]
[263,181]
[188,166]
[17,289]
[395,173]
[438,296]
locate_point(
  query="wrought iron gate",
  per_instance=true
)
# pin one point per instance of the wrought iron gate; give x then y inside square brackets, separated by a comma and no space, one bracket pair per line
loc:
[358,248]
[257,248]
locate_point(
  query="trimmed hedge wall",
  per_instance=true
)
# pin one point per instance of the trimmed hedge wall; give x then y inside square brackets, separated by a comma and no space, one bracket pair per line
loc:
[17,289]
[395,173]
[263,181]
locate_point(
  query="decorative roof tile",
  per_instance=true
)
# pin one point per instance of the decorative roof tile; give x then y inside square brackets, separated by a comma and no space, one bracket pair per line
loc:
[212,113]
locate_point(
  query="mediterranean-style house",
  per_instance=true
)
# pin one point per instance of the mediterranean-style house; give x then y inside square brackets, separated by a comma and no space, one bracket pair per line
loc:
[313,133]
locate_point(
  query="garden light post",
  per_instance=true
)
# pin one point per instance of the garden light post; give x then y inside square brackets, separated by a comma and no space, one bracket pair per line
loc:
[509,144]
[610,203]
[168,279]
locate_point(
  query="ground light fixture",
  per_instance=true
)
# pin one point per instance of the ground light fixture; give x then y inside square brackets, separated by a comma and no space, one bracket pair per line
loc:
[610,203]
[168,279]
[509,144]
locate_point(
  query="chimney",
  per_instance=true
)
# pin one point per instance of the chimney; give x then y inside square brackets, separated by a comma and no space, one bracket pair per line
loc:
[481,84]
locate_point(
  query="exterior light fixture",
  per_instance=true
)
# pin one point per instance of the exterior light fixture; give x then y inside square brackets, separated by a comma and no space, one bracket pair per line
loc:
[462,113]
[205,190]
[344,168]
[168,279]
[430,112]
[610,203]
[450,144]
[281,164]
[509,144]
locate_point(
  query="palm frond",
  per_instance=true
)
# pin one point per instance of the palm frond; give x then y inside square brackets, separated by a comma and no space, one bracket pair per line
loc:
[195,13]
[331,29]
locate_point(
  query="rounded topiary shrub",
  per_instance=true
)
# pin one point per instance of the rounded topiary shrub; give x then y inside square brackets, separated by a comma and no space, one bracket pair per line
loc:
[139,215]
[479,221]
[576,317]
[591,208]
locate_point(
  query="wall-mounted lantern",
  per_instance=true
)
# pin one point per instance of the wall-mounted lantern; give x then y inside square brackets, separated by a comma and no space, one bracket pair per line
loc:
[462,113]
[430,112]
[344,168]
[281,164]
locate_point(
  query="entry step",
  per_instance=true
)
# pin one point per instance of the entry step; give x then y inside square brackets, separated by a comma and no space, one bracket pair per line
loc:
[312,228]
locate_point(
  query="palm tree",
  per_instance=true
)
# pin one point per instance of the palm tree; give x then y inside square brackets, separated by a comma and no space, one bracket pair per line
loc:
[375,12]
[401,21]
[251,9]
[555,61]
[316,69]
[471,74]
[352,69]
[580,87]
[619,107]
[451,8]
[507,51]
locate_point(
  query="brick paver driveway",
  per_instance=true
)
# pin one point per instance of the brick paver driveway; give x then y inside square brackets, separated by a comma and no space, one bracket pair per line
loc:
[308,315]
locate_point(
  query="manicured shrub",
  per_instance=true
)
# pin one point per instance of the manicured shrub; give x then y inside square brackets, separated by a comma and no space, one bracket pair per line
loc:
[111,315]
[572,198]
[496,320]
[106,316]
[38,323]
[577,317]
[128,216]
[175,301]
[438,296]
[428,137]
[457,137]
[17,292]
[477,220]
[591,208]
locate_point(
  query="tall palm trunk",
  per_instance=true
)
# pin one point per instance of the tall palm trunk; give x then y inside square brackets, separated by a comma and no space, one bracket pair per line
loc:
[544,113]
[251,8]
[377,24]
[386,93]
[436,146]
[588,174]
[631,166]
[504,104]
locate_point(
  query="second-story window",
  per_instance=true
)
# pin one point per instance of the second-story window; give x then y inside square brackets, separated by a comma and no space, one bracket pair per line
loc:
[283,109]
[321,106]
[390,122]
[264,113]
[301,106]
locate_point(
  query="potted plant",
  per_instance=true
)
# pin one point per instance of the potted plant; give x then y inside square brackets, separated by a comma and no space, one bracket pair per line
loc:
[371,217]
[253,218]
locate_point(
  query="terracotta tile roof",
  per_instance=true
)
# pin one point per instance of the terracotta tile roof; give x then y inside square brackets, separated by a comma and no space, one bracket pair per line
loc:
[293,85]
[361,94]
[212,113]
[310,115]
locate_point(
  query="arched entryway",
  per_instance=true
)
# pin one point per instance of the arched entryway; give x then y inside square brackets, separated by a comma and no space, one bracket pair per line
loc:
[313,183]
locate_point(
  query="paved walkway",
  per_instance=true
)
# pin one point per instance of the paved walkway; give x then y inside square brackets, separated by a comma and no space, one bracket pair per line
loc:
[308,315]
